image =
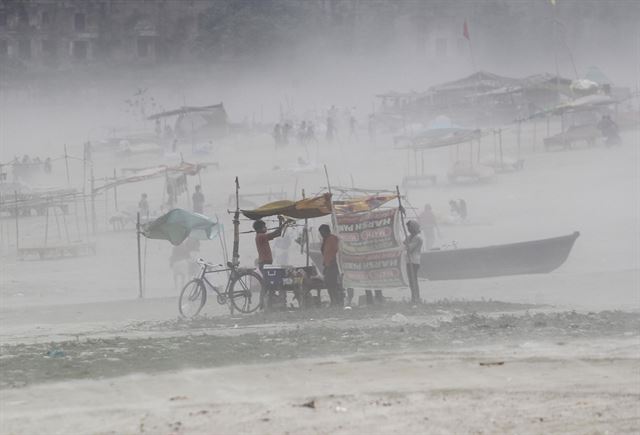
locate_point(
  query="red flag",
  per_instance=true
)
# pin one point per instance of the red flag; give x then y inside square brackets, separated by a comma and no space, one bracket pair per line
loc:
[465,31]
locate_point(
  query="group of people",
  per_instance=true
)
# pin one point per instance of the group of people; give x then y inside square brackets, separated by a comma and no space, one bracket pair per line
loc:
[329,249]
[197,200]
[25,167]
[284,133]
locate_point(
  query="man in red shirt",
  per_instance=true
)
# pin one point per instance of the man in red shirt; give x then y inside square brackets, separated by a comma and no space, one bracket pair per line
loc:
[331,272]
[262,242]
[266,257]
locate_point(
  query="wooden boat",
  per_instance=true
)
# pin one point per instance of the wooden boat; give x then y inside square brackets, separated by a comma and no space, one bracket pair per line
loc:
[536,256]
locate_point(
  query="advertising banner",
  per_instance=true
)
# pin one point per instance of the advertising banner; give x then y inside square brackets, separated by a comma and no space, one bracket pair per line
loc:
[371,252]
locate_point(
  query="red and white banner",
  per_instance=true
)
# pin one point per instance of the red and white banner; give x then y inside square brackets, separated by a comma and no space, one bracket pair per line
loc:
[371,252]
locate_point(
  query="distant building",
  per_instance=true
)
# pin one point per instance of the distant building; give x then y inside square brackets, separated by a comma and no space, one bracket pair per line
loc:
[66,33]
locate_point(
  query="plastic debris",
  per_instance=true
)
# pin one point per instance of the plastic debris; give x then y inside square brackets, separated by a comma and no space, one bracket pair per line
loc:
[399,318]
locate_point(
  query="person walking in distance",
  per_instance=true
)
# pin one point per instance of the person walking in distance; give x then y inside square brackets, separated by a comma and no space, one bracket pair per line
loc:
[198,200]
[143,206]
[329,251]
[413,244]
[429,226]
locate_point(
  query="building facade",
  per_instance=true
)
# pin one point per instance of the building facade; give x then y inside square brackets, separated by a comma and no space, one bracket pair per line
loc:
[63,34]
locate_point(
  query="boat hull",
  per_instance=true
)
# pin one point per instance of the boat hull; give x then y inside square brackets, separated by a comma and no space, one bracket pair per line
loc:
[537,256]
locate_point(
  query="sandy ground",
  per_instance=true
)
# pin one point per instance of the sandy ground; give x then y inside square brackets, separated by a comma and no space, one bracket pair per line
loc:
[543,372]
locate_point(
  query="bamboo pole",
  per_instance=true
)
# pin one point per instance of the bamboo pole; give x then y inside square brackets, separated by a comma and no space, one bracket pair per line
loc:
[66,164]
[306,233]
[64,221]
[93,203]
[15,195]
[106,205]
[139,259]
[115,190]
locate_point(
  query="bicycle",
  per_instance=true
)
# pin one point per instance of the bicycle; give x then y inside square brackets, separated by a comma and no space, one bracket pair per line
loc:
[244,290]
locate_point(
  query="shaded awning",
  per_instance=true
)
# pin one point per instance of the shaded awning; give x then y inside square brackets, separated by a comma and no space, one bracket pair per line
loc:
[304,209]
[178,224]
[366,203]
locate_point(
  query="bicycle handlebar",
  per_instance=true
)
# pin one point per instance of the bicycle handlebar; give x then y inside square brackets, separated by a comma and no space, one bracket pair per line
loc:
[202,262]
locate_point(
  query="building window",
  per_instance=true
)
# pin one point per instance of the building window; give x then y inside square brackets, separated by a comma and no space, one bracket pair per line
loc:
[45,18]
[462,47]
[144,47]
[4,48]
[23,16]
[441,47]
[49,47]
[79,50]
[3,19]
[79,22]
[24,48]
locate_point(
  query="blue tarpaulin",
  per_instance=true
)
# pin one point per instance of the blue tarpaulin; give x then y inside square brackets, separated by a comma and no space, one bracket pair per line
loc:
[178,224]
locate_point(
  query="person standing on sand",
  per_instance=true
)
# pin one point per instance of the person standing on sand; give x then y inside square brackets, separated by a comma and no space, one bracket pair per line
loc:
[198,200]
[413,244]
[331,271]
[143,206]
[263,238]
[429,226]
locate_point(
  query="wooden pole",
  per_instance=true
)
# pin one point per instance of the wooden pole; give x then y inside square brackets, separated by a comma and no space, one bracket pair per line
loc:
[84,169]
[115,190]
[334,218]
[402,211]
[75,212]
[306,233]
[93,203]
[15,196]
[64,221]
[86,214]
[500,145]
[66,164]
[106,204]
[519,135]
[55,215]
[139,257]
[236,228]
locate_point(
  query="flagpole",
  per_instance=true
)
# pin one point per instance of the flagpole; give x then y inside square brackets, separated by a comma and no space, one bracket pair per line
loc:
[465,33]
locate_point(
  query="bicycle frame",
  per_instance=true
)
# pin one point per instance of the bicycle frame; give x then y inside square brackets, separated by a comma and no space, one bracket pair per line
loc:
[231,272]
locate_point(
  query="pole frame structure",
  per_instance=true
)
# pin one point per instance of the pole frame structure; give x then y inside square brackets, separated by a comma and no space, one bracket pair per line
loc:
[235,259]
[138,232]
[17,210]
[93,203]
[66,164]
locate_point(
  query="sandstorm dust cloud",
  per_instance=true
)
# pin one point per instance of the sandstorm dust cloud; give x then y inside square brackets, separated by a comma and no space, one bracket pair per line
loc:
[508,131]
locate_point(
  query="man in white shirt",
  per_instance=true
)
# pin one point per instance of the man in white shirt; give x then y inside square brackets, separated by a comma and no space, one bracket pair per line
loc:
[413,243]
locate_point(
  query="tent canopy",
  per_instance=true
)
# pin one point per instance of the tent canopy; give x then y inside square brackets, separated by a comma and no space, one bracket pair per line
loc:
[178,224]
[304,209]
[318,206]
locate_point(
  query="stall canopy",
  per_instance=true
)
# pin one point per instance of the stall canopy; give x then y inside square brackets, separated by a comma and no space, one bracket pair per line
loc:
[178,224]
[304,209]
[361,204]
[318,206]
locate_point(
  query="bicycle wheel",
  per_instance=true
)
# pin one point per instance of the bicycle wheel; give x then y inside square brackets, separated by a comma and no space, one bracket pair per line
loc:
[192,298]
[246,291]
